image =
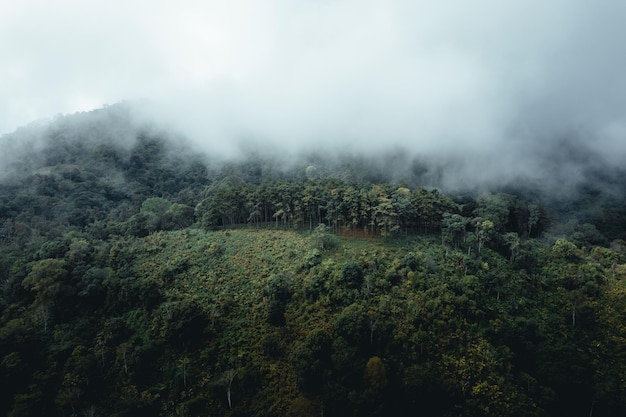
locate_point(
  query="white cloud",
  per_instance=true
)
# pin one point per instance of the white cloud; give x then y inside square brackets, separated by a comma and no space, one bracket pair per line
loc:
[454,76]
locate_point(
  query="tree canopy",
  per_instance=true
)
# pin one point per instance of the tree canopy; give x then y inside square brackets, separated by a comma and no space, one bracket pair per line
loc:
[140,278]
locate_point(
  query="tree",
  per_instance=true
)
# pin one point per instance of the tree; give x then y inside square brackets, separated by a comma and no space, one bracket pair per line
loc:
[429,207]
[311,203]
[352,275]
[534,215]
[512,240]
[401,202]
[255,205]
[334,208]
[374,375]
[351,202]
[495,209]
[76,372]
[303,407]
[322,239]
[453,229]
[227,380]
[311,360]
[224,204]
[177,216]
[353,325]
[48,280]
[609,344]
[385,214]
[153,209]
[565,250]
[485,231]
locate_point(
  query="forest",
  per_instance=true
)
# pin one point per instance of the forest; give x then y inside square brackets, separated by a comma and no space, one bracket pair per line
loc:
[141,277]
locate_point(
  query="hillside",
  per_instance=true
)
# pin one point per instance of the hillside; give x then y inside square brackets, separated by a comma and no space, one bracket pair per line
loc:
[141,277]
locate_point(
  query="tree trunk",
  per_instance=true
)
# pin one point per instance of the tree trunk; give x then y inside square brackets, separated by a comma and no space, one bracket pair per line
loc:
[229,376]
[372,329]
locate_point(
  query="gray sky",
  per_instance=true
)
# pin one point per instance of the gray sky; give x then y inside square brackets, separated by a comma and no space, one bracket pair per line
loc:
[480,77]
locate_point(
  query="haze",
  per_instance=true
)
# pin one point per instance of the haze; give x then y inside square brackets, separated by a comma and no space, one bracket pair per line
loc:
[487,82]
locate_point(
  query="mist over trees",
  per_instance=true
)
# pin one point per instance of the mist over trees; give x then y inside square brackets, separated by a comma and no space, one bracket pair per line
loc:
[141,274]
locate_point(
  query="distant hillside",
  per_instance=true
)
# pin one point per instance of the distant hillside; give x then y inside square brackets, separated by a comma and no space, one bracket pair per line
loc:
[107,157]
[140,276]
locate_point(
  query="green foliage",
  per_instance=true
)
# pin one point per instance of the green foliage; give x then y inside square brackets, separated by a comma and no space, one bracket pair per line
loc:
[313,258]
[352,325]
[135,279]
[311,360]
[193,304]
[47,279]
[352,275]
[279,292]
[453,229]
[322,239]
[374,375]
[565,250]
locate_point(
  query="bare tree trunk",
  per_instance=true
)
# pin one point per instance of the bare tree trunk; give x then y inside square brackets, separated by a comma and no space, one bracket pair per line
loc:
[185,360]
[41,315]
[372,329]
[228,378]
[122,350]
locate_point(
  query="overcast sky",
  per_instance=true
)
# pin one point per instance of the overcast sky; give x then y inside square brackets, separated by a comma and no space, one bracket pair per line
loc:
[481,76]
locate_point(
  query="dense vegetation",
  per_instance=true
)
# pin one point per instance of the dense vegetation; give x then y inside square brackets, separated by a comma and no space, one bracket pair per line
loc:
[139,278]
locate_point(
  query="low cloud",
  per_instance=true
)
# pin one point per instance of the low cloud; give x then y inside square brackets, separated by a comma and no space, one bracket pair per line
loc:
[485,88]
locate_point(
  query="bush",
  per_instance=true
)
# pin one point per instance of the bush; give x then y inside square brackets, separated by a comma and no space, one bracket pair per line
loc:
[353,275]
[313,258]
[322,239]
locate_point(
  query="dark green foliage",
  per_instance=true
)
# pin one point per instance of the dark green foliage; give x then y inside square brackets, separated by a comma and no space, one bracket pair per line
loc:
[280,287]
[276,313]
[314,257]
[183,323]
[312,361]
[322,239]
[121,293]
[352,275]
[410,261]
[271,345]
[279,292]
[352,325]
[315,287]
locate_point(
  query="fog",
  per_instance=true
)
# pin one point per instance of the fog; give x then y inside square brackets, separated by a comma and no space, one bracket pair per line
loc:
[489,90]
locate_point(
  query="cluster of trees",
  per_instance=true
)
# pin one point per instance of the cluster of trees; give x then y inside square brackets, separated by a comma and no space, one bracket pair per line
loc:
[375,209]
[136,280]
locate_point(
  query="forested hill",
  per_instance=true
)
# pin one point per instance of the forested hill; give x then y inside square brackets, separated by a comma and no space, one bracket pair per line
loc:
[140,276]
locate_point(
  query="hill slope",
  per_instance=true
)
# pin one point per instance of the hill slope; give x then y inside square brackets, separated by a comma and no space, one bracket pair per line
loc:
[141,278]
